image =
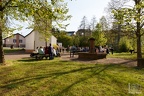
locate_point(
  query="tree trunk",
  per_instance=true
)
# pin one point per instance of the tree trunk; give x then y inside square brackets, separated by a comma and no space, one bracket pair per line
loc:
[2,60]
[138,34]
[139,54]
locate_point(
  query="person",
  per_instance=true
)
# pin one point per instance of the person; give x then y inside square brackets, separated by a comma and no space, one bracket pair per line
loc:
[50,51]
[131,51]
[68,48]
[54,51]
[107,50]
[36,50]
[34,53]
[40,50]
[46,50]
[111,49]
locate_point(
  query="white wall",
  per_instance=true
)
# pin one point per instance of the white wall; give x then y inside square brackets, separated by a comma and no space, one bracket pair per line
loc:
[53,40]
[39,40]
[35,39]
[30,41]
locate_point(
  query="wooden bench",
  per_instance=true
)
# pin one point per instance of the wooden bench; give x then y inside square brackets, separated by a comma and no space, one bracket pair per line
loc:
[41,56]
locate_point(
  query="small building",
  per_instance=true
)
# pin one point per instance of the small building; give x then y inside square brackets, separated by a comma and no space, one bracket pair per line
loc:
[34,39]
[17,40]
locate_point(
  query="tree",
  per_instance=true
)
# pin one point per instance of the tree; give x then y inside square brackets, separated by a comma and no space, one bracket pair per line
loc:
[93,23]
[64,38]
[134,15]
[104,23]
[84,24]
[124,45]
[117,20]
[99,36]
[76,40]
[23,10]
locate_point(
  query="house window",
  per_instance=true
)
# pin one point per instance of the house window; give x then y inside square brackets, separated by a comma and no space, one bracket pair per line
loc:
[20,41]
[14,40]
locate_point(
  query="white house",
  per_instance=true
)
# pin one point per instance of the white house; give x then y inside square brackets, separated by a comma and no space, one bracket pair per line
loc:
[34,39]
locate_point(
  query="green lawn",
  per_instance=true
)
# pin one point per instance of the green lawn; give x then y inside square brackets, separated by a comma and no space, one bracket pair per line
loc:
[29,77]
[124,55]
[8,50]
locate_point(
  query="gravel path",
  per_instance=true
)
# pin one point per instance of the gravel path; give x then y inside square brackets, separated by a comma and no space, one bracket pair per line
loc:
[16,56]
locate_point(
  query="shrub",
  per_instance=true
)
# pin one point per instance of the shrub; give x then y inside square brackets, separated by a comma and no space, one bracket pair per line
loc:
[124,44]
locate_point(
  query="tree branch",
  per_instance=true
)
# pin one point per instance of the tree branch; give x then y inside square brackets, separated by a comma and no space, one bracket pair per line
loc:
[2,8]
[141,25]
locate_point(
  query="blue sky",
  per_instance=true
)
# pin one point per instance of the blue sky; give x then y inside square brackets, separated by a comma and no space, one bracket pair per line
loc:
[78,9]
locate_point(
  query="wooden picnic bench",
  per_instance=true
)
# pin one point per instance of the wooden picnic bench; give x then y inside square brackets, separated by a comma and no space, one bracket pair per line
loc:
[41,56]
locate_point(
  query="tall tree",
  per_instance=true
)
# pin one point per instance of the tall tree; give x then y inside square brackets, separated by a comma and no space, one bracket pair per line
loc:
[134,15]
[117,20]
[23,10]
[84,24]
[104,23]
[99,35]
[93,23]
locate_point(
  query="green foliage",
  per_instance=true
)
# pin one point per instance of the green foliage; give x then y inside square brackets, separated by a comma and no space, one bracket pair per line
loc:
[40,14]
[99,36]
[83,41]
[76,40]
[132,16]
[124,44]
[64,38]
[123,55]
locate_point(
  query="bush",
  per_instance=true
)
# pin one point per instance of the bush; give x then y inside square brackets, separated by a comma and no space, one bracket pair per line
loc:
[124,44]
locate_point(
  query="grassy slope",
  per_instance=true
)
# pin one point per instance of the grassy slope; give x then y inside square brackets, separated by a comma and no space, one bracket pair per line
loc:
[64,78]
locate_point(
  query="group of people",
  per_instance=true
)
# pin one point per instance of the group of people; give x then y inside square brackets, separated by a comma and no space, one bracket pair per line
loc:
[98,49]
[104,49]
[51,51]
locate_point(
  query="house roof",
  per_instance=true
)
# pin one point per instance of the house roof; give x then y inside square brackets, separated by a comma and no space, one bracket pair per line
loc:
[29,33]
[14,35]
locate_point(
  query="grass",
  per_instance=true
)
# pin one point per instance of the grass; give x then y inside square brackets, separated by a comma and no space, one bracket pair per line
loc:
[28,77]
[8,50]
[124,55]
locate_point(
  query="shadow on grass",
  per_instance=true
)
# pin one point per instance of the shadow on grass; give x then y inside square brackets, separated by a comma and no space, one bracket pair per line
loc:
[29,59]
[95,70]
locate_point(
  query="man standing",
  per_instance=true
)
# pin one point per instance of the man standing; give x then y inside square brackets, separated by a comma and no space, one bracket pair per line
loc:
[50,49]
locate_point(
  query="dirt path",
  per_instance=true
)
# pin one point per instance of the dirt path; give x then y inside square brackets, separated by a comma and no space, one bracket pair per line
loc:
[16,56]
[66,57]
[131,63]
